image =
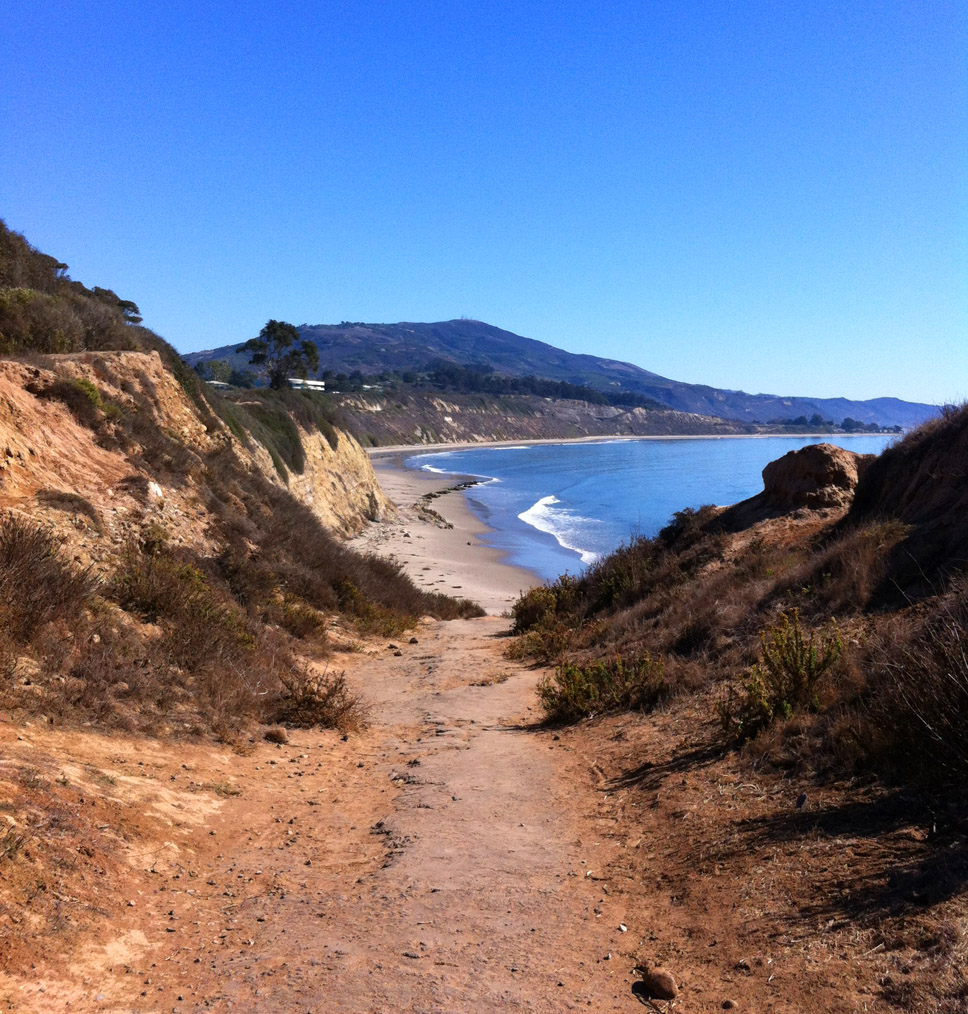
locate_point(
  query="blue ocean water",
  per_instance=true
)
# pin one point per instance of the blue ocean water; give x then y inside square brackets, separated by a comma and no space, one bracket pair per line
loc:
[557,507]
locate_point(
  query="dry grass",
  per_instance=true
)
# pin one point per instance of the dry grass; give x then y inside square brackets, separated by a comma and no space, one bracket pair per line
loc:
[320,699]
[916,703]
[37,586]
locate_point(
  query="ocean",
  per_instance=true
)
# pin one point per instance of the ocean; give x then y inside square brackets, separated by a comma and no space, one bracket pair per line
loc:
[555,508]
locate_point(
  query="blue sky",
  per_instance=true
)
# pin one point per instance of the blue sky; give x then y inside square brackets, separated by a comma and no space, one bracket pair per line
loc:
[758,195]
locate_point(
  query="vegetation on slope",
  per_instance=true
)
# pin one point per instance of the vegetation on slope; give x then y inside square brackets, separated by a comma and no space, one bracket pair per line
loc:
[847,636]
[176,637]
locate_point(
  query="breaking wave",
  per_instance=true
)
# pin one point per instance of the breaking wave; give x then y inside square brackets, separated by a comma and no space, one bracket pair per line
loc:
[564,526]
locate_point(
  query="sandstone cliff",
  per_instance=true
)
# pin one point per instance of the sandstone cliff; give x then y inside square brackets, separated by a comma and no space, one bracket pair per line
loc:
[338,483]
[62,458]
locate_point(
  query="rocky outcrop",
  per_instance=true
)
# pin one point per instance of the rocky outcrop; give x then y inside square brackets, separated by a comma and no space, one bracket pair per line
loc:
[816,477]
[819,475]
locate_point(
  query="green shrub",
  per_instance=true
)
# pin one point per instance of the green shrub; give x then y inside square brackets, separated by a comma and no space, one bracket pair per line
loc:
[579,691]
[301,620]
[785,679]
[540,606]
[88,389]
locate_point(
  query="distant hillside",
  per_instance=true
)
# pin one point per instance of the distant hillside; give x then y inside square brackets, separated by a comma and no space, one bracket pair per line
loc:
[427,417]
[375,348]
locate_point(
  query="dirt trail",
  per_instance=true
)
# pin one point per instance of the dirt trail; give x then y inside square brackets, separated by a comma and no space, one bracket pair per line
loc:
[484,902]
[435,863]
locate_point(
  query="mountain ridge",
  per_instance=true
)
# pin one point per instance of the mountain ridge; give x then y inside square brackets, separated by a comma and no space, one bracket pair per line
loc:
[376,348]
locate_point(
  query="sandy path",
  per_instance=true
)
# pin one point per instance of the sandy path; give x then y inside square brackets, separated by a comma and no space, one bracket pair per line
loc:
[483,903]
[446,859]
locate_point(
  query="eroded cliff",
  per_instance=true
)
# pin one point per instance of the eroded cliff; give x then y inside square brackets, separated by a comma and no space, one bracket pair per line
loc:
[66,458]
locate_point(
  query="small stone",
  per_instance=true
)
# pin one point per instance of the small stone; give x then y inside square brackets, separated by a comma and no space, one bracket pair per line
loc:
[729,1004]
[413,640]
[658,983]
[398,652]
[391,646]
[622,928]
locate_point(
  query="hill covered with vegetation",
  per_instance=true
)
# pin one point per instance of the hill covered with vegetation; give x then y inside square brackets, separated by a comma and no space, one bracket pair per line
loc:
[371,349]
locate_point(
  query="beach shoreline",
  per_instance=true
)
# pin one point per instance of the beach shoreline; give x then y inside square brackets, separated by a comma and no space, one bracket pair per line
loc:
[400,451]
[454,560]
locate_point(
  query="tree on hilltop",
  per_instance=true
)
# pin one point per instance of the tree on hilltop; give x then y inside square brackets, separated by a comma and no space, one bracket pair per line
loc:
[281,351]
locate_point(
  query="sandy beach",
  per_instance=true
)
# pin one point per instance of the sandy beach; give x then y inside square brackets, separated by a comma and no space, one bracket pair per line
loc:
[440,558]
[399,451]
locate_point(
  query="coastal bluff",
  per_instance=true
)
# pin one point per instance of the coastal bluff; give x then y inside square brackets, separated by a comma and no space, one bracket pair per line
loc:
[61,462]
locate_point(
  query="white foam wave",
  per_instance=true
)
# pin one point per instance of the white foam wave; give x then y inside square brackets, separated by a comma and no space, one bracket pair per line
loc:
[565,527]
[486,480]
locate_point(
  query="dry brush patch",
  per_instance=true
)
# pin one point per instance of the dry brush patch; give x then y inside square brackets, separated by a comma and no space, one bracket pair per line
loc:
[832,786]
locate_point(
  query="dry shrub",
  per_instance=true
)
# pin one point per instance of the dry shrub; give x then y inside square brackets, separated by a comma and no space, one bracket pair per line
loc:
[156,450]
[546,643]
[312,699]
[109,680]
[37,586]
[71,503]
[263,526]
[449,607]
[578,691]
[223,662]
[844,575]
[250,581]
[917,708]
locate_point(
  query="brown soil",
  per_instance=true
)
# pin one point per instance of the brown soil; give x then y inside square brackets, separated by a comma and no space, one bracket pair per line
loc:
[451,858]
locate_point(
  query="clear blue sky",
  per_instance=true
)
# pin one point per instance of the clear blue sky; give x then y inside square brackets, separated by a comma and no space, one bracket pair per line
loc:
[760,195]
